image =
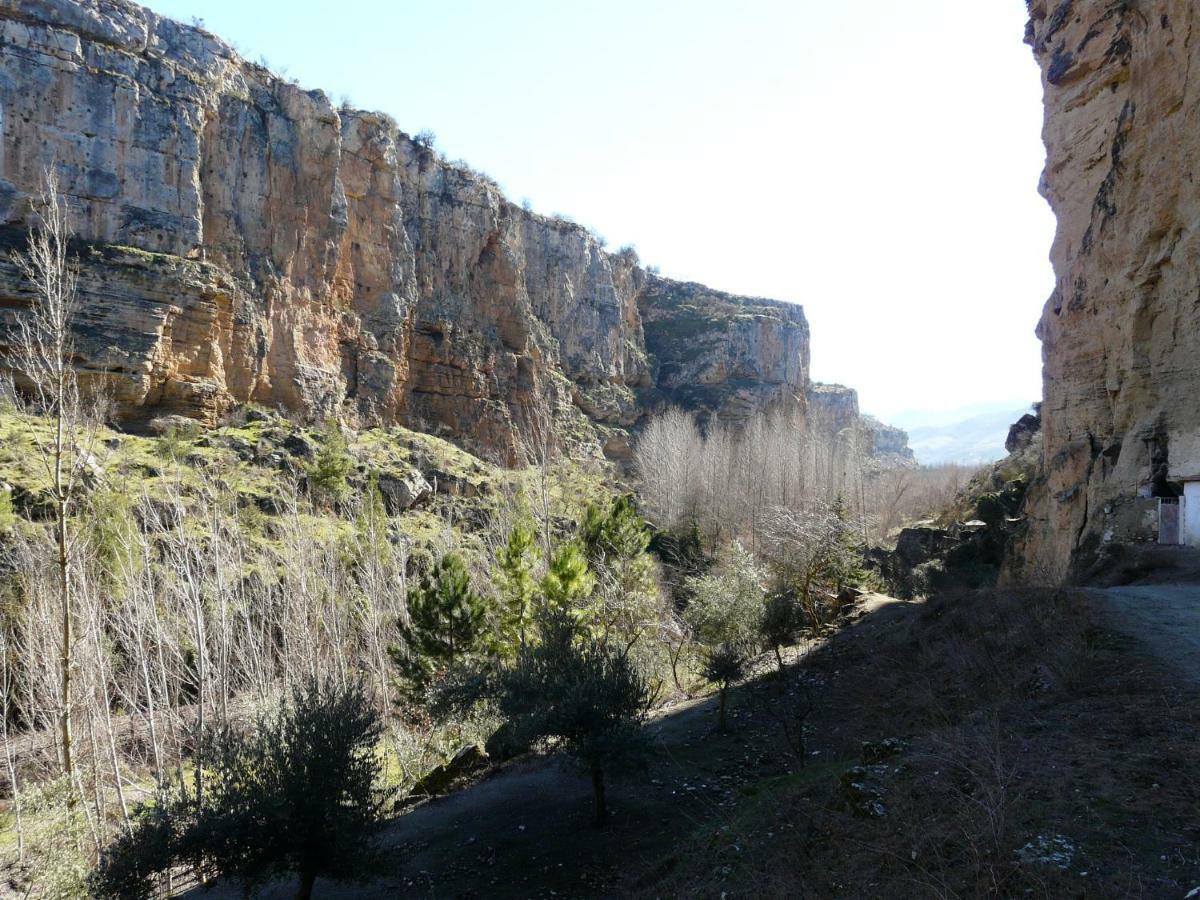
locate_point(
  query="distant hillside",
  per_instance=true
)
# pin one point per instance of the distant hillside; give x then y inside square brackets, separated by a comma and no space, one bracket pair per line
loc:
[969,435]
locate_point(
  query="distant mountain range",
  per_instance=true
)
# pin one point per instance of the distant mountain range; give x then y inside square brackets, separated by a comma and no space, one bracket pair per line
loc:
[971,434]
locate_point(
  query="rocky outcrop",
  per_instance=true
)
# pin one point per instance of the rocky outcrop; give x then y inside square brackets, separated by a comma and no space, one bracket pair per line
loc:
[241,239]
[714,351]
[1121,333]
[833,410]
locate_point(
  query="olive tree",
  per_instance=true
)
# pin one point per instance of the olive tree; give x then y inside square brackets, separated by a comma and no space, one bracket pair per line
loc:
[297,792]
[568,686]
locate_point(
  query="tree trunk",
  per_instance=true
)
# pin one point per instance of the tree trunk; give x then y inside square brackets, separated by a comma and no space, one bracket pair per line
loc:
[67,639]
[721,711]
[779,657]
[307,880]
[598,791]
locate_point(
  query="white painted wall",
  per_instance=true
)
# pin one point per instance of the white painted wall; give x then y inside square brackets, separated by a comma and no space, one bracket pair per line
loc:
[1191,513]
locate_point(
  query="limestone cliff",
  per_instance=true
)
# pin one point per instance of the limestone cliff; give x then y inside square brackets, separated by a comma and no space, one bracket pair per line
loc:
[1121,332]
[241,239]
[833,409]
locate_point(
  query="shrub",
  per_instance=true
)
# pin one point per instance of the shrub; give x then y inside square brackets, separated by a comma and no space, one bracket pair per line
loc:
[7,514]
[781,624]
[298,792]
[727,606]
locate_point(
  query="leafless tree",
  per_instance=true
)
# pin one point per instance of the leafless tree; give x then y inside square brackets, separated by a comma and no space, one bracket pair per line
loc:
[43,357]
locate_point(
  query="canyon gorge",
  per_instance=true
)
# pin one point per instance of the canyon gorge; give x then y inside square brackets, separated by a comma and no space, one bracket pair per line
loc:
[243,239]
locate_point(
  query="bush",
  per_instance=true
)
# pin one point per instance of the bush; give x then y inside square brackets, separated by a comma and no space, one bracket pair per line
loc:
[296,793]
[7,514]
[726,607]
[781,625]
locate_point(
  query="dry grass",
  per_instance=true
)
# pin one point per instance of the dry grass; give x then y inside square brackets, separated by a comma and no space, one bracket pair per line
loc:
[1029,730]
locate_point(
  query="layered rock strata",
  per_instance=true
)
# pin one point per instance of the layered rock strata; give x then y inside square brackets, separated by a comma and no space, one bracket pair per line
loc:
[242,239]
[1121,332]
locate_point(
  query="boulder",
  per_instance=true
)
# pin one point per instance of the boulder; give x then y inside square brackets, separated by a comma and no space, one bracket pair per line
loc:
[161,425]
[299,446]
[920,544]
[1020,434]
[504,744]
[403,490]
[466,761]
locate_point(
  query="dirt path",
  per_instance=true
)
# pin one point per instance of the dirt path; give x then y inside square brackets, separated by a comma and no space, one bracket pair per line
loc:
[1164,617]
[525,830]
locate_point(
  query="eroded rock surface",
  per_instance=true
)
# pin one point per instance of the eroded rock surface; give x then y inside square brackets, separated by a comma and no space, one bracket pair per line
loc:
[245,240]
[1121,332]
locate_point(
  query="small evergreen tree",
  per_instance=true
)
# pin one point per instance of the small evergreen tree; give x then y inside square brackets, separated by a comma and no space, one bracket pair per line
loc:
[445,621]
[569,580]
[781,624]
[328,475]
[844,557]
[518,588]
[619,533]
[569,687]
[724,665]
[296,793]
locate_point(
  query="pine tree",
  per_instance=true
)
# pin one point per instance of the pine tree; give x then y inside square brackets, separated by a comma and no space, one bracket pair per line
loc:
[844,561]
[445,621]
[569,580]
[515,564]
[328,474]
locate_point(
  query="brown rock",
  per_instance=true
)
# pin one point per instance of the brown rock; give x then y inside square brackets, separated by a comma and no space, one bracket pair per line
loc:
[1121,332]
[248,242]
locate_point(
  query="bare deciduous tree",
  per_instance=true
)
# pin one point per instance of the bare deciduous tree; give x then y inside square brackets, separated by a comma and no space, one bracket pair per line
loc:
[43,357]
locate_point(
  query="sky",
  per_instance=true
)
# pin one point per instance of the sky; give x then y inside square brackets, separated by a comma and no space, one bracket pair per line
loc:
[875,161]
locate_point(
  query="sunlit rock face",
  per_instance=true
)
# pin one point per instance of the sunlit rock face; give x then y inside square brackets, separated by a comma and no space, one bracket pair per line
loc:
[247,241]
[1121,332]
[241,239]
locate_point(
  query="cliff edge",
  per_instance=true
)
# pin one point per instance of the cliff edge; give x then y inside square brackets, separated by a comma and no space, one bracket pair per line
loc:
[1121,332]
[241,239]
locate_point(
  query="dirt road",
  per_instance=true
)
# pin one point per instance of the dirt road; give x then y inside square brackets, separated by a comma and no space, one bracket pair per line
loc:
[1164,617]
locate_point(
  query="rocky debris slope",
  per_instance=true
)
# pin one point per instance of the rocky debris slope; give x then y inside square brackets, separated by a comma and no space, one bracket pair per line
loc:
[1121,332]
[242,239]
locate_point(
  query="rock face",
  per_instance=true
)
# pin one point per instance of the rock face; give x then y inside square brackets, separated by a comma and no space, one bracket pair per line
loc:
[833,409]
[242,239]
[1121,332]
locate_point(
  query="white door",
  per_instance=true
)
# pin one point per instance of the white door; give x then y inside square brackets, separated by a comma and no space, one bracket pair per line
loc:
[1191,513]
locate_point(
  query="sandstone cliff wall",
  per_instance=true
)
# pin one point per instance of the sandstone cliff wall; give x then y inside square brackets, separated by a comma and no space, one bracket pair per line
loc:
[1121,332]
[245,240]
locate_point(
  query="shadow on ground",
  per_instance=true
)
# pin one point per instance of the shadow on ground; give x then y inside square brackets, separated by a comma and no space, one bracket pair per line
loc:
[525,830]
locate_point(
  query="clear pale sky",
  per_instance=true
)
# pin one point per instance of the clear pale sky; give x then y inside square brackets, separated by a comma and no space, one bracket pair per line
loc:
[876,161]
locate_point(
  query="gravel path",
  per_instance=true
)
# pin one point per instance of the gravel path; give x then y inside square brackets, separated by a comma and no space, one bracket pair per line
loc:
[1165,617]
